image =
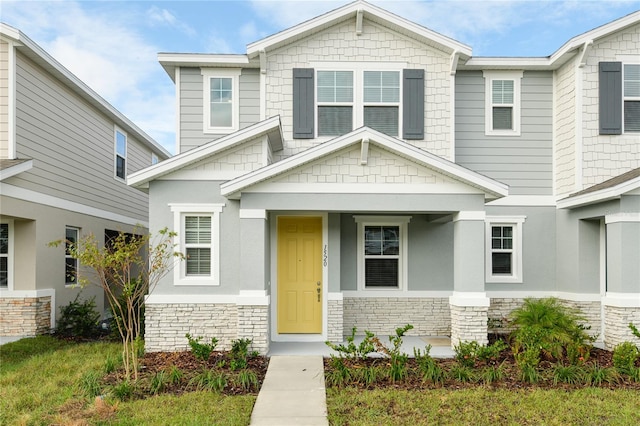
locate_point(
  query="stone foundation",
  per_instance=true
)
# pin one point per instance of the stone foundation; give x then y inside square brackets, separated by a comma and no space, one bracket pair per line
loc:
[335,320]
[28,316]
[616,320]
[167,324]
[382,315]
[469,323]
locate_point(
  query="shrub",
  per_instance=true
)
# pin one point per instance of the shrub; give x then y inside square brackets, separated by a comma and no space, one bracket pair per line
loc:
[462,373]
[470,353]
[79,319]
[492,374]
[158,382]
[571,374]
[123,390]
[625,355]
[209,380]
[549,326]
[353,351]
[239,353]
[201,351]
[596,375]
[246,380]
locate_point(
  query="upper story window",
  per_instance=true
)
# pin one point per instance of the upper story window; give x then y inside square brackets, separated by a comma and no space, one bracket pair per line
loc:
[504,249]
[341,97]
[4,255]
[631,97]
[70,263]
[154,159]
[120,154]
[382,252]
[502,102]
[198,228]
[221,100]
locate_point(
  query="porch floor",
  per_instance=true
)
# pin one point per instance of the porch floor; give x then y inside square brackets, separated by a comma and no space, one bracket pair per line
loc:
[440,347]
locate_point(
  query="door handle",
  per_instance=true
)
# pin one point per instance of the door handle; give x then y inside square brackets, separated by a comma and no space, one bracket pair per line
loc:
[318,290]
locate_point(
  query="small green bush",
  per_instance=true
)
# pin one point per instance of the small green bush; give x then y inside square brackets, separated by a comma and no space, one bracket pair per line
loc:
[239,354]
[353,351]
[571,374]
[123,390]
[625,355]
[79,319]
[201,351]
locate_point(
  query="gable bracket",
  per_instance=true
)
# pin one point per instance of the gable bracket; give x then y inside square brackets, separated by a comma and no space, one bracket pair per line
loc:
[453,66]
[583,53]
[359,16]
[364,152]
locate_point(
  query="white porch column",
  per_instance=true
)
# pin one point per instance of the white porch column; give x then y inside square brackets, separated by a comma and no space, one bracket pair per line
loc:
[469,303]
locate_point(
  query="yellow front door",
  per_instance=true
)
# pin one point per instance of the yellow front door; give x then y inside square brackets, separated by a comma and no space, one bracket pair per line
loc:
[299,275]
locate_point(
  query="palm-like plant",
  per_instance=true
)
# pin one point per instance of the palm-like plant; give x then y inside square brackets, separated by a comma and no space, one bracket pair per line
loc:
[547,325]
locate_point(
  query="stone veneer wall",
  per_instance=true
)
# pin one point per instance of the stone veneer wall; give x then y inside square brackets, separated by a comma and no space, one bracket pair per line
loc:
[382,315]
[501,308]
[469,323]
[27,316]
[616,320]
[253,323]
[335,320]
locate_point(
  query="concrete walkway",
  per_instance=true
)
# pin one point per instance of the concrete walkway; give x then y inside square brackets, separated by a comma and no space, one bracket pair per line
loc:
[293,393]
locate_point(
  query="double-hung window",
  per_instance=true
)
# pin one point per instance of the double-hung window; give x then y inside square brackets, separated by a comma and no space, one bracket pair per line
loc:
[4,255]
[335,102]
[504,249]
[502,105]
[198,229]
[631,95]
[70,263]
[381,98]
[221,100]
[382,252]
[120,154]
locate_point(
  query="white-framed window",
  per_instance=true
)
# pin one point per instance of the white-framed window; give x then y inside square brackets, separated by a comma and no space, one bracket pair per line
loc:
[120,161]
[502,102]
[5,254]
[198,228]
[154,158]
[352,95]
[504,249]
[631,97]
[221,100]
[382,252]
[72,234]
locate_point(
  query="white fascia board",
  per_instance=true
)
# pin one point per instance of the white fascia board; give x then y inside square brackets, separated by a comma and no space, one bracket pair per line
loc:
[350,11]
[599,196]
[18,168]
[429,160]
[42,58]
[504,63]
[141,179]
[171,61]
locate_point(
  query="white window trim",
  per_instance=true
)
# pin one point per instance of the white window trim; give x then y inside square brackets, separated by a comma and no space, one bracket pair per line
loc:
[154,158]
[628,98]
[117,130]
[234,75]
[179,271]
[402,223]
[66,256]
[489,77]
[10,254]
[358,103]
[516,222]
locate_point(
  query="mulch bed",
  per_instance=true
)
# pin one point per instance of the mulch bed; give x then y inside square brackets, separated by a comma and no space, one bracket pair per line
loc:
[510,380]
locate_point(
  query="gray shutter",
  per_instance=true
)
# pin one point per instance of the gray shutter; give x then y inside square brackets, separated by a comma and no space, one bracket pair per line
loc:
[303,100]
[610,98]
[413,104]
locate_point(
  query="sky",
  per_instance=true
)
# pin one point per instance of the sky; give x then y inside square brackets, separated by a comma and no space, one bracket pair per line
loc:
[113,45]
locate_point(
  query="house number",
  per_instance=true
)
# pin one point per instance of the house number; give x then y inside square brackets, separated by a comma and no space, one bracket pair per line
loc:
[325,256]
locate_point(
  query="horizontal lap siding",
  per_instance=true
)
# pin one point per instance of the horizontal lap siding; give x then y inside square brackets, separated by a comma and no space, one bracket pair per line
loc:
[191,106]
[523,162]
[4,99]
[72,145]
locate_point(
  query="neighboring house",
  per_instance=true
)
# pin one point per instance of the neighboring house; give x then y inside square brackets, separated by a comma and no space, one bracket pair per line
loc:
[359,170]
[64,156]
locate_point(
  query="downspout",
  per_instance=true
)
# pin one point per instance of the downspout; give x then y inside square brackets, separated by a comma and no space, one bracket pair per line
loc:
[453,67]
[263,84]
[579,117]
[178,109]
[12,150]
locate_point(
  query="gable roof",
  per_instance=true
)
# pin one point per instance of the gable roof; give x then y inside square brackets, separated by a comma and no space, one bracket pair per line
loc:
[492,188]
[357,11]
[34,52]
[608,190]
[270,127]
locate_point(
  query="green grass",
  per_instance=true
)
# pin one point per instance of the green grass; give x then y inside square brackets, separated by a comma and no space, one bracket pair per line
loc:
[482,406]
[43,381]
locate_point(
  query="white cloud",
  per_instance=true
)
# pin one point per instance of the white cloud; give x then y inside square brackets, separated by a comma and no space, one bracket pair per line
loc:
[163,17]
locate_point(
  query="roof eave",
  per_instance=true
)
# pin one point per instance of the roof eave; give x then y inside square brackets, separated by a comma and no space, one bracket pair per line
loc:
[171,61]
[600,196]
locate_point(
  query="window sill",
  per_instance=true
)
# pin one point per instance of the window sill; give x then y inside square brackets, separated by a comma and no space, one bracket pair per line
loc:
[502,133]
[209,282]
[502,280]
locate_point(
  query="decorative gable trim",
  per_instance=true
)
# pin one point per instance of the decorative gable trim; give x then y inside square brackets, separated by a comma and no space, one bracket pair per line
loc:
[270,127]
[492,188]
